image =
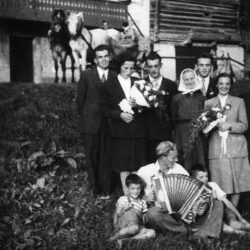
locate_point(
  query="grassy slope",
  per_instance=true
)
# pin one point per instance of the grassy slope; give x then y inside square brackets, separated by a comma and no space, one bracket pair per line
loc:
[62,214]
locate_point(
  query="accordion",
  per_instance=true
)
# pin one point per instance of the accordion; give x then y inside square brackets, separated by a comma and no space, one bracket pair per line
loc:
[181,195]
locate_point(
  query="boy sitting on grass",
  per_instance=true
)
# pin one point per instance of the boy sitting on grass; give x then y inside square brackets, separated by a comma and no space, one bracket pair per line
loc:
[130,210]
[200,173]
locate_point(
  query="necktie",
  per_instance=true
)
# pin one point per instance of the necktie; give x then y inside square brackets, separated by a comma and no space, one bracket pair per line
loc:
[203,87]
[103,78]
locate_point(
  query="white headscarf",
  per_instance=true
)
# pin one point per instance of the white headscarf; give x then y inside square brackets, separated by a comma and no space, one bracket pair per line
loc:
[182,86]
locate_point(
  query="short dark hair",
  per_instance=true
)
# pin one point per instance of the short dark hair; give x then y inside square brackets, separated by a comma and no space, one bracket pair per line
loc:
[101,48]
[197,168]
[122,58]
[55,19]
[205,55]
[152,56]
[136,179]
[224,74]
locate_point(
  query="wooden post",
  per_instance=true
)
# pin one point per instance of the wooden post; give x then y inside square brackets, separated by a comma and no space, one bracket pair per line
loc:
[244,23]
[156,17]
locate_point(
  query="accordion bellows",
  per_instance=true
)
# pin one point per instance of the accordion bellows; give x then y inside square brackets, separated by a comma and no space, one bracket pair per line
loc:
[180,194]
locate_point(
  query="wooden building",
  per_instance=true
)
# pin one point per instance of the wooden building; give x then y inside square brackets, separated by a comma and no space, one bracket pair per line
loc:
[244,22]
[182,29]
[24,49]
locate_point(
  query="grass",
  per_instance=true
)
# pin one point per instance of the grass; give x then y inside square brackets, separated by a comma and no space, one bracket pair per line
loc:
[49,206]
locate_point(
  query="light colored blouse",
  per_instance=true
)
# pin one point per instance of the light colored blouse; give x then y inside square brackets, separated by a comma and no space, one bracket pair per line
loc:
[126,86]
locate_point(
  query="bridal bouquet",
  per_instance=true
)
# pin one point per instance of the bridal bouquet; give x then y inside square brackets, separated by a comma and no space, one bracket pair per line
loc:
[205,122]
[145,95]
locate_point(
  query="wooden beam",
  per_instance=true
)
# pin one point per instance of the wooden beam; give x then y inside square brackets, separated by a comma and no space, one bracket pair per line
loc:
[217,2]
[178,38]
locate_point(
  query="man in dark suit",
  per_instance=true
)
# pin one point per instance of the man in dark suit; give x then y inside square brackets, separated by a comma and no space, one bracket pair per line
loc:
[159,127]
[204,66]
[90,117]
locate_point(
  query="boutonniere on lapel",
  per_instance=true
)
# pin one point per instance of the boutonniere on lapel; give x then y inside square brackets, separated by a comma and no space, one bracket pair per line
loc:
[227,107]
[211,93]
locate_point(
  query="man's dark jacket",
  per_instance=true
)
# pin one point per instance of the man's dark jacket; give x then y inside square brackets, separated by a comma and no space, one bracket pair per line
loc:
[89,101]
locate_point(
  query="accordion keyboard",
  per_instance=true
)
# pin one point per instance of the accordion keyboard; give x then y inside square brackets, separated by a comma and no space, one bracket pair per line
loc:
[180,194]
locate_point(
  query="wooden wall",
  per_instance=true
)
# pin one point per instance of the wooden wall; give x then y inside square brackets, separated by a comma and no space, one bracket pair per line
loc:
[41,10]
[199,20]
[245,33]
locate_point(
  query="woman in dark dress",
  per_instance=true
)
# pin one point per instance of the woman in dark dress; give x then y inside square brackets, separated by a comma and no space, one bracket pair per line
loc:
[126,129]
[185,106]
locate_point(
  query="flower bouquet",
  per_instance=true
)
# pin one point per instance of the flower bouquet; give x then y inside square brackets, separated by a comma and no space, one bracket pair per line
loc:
[145,95]
[205,122]
[125,107]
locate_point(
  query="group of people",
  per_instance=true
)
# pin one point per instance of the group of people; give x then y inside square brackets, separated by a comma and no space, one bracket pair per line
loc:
[117,141]
[121,142]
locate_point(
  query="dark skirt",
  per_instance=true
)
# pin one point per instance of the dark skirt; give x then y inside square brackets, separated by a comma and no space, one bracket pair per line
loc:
[127,154]
[195,156]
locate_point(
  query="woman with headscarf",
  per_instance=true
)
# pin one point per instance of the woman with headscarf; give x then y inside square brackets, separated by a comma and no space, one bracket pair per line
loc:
[185,107]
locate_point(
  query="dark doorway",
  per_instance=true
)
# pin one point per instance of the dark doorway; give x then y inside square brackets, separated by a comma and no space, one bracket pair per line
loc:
[21,59]
[186,57]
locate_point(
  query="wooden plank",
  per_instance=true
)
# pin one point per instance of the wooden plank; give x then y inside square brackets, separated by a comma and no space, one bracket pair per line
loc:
[199,11]
[198,4]
[170,17]
[171,4]
[192,32]
[94,11]
[182,25]
[208,25]
[217,2]
[181,12]
[233,38]
[199,19]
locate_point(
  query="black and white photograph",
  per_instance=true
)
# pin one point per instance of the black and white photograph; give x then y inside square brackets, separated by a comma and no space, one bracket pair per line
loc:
[124,124]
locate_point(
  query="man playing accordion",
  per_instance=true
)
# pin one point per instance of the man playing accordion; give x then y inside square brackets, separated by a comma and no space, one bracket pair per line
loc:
[178,202]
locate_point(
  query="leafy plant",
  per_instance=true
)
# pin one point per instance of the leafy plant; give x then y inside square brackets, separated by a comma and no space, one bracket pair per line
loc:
[45,201]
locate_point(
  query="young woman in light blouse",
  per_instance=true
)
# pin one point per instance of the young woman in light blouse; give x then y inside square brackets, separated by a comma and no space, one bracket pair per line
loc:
[228,154]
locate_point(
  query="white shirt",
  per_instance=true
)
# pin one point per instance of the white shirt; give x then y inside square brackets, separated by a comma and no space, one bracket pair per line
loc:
[218,193]
[148,171]
[101,72]
[126,86]
[139,204]
[206,82]
[223,100]
[156,82]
